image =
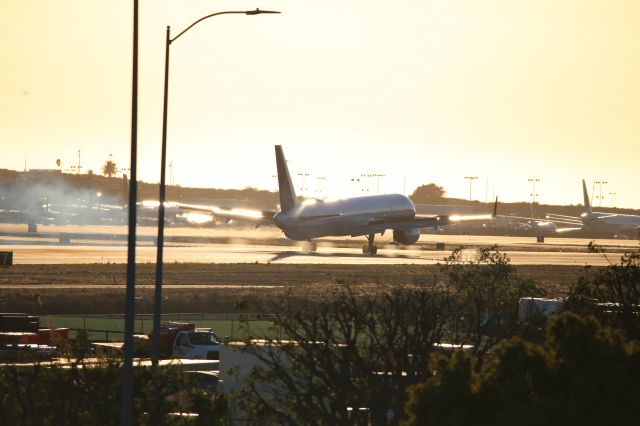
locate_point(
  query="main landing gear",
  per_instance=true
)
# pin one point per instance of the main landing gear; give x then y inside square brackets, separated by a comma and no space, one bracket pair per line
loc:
[310,246]
[370,248]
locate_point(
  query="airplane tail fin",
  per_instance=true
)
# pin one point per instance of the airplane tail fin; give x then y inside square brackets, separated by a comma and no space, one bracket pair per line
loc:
[587,204]
[287,193]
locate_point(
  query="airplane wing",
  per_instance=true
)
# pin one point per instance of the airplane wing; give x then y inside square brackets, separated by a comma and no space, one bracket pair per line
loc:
[260,217]
[379,226]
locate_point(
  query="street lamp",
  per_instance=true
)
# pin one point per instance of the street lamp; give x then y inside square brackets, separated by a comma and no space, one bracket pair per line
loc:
[613,194]
[155,347]
[470,179]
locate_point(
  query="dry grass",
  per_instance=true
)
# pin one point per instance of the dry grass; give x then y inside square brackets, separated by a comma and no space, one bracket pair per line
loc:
[32,288]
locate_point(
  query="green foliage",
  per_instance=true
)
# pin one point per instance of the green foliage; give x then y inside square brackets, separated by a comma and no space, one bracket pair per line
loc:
[488,290]
[617,290]
[581,374]
[426,194]
[365,351]
[350,351]
[89,393]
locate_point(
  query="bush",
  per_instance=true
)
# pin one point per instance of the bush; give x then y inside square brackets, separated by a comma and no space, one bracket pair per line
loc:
[582,373]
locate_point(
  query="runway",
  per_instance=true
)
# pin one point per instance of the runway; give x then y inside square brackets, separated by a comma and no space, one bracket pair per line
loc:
[245,253]
[268,245]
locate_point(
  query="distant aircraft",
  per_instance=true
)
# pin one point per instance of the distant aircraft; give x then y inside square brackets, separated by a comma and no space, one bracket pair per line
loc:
[357,216]
[610,223]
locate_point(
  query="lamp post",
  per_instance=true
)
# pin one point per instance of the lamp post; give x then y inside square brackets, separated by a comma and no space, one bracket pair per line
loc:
[155,347]
[602,182]
[613,194]
[470,179]
[377,176]
[126,401]
[304,178]
[533,192]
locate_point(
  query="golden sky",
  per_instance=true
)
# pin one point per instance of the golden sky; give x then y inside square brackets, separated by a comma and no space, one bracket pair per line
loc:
[420,91]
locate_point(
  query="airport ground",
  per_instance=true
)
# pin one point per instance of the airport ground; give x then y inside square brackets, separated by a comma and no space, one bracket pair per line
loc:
[246,268]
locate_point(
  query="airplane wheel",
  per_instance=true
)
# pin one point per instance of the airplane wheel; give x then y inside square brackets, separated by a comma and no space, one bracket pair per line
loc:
[365,249]
[374,251]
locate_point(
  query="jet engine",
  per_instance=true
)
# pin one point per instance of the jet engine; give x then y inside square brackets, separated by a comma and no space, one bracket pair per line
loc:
[406,236]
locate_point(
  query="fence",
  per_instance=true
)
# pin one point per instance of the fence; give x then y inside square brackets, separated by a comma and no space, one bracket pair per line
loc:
[110,327]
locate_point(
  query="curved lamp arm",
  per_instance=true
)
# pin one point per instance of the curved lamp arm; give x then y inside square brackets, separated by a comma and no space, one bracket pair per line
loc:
[243,12]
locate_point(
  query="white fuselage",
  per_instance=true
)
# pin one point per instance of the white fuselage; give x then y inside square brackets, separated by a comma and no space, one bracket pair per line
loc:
[613,223]
[322,218]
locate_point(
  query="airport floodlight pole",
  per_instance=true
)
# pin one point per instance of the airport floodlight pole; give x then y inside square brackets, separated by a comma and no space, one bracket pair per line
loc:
[533,192]
[613,194]
[155,342]
[126,407]
[602,182]
[377,176]
[304,178]
[470,179]
[320,182]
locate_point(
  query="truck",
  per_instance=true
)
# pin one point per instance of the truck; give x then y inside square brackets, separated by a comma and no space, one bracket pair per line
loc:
[184,340]
[177,340]
[22,338]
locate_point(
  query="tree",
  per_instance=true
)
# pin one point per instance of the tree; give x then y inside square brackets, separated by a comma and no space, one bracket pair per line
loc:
[345,353]
[488,290]
[582,373]
[616,288]
[427,194]
[109,168]
[355,350]
[88,392]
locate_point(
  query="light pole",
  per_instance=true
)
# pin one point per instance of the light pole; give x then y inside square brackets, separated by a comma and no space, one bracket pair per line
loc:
[304,178]
[470,179]
[320,183]
[613,194]
[533,192]
[126,401]
[155,343]
[377,176]
[602,182]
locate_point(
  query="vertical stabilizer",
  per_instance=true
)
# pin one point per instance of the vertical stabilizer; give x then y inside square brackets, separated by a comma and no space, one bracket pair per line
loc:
[587,204]
[288,198]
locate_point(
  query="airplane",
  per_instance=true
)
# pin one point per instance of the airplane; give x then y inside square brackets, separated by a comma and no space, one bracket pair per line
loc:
[601,222]
[358,216]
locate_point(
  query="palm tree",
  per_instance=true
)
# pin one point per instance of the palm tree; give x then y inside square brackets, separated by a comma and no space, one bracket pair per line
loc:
[109,169]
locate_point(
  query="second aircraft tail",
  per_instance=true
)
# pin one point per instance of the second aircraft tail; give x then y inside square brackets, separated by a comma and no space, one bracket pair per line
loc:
[587,204]
[287,193]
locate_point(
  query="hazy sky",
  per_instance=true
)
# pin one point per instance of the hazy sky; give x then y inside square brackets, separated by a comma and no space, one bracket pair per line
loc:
[428,90]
